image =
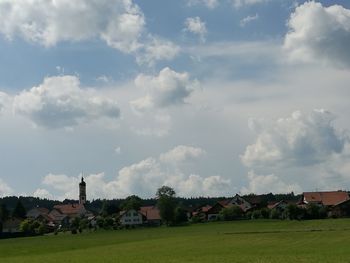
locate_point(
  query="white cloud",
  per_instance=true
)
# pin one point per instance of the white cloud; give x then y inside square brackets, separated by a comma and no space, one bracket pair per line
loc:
[119,23]
[248,20]
[208,3]
[157,49]
[143,179]
[318,33]
[298,140]
[196,26]
[60,102]
[181,153]
[5,102]
[166,89]
[241,3]
[42,193]
[124,33]
[5,190]
[262,184]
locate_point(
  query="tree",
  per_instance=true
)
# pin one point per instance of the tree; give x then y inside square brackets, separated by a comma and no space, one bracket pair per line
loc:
[4,212]
[132,202]
[166,204]
[231,213]
[293,212]
[19,210]
[180,216]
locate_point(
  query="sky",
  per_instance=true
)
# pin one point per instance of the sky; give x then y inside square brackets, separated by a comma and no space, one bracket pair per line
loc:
[210,97]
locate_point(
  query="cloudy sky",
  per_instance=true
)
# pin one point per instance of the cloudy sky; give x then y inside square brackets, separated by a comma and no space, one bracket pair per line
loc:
[211,97]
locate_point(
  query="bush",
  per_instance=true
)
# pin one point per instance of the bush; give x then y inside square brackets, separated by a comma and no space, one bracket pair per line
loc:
[275,214]
[256,214]
[231,213]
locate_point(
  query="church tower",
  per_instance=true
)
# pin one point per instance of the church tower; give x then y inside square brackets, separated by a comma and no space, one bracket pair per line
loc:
[82,192]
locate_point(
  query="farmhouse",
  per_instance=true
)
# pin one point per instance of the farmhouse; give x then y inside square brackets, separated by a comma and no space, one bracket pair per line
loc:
[326,199]
[131,217]
[241,202]
[152,215]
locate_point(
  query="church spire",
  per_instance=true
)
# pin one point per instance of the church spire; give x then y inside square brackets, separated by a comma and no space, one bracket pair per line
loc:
[82,191]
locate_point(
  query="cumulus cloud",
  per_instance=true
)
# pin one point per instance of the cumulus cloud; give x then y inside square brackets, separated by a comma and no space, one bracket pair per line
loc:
[181,153]
[157,49]
[318,33]
[61,102]
[298,140]
[5,190]
[143,179]
[262,184]
[119,23]
[208,3]
[166,89]
[248,19]
[5,101]
[196,26]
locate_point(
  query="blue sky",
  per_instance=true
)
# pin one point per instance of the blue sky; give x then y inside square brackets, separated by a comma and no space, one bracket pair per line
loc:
[210,97]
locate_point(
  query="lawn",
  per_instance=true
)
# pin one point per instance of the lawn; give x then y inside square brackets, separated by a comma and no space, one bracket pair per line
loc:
[241,241]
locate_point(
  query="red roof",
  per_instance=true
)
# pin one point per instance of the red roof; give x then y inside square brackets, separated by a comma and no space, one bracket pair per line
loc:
[326,198]
[225,202]
[70,209]
[151,212]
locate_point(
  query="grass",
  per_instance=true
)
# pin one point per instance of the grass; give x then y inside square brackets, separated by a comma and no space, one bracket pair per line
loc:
[241,241]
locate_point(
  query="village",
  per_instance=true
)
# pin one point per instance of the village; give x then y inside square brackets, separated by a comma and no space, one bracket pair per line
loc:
[75,217]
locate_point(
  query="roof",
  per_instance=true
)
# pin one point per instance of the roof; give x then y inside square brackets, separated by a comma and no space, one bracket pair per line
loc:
[225,202]
[70,209]
[276,204]
[326,198]
[35,212]
[151,212]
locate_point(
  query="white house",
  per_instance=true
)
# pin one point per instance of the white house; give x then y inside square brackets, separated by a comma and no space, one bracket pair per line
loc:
[131,217]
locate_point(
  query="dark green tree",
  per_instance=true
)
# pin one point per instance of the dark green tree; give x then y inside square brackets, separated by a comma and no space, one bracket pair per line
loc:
[4,212]
[294,212]
[19,210]
[166,203]
[180,216]
[103,211]
[132,202]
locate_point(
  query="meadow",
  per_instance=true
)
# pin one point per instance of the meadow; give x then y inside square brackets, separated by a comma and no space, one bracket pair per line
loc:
[237,241]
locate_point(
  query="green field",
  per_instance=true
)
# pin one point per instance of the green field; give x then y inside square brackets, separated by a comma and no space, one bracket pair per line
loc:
[241,241]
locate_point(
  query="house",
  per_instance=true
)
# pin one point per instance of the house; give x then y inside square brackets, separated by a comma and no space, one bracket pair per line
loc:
[201,212]
[37,212]
[279,205]
[241,202]
[213,212]
[341,209]
[71,210]
[152,215]
[58,218]
[327,199]
[12,225]
[131,217]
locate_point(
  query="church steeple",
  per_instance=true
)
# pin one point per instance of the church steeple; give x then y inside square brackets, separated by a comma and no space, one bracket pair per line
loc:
[82,191]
